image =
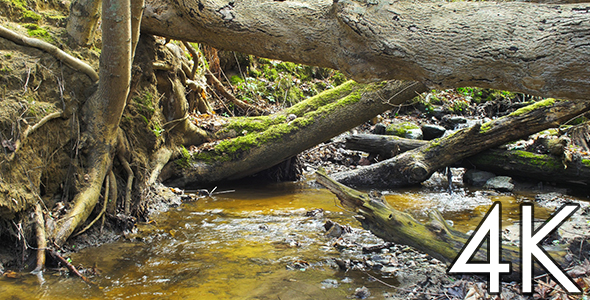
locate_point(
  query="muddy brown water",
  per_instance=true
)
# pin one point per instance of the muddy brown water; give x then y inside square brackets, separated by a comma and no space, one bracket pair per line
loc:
[254,243]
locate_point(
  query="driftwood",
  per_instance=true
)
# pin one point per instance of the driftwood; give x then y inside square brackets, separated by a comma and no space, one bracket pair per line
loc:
[435,238]
[417,165]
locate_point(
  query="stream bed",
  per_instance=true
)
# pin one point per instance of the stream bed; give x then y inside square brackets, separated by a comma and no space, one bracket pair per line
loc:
[258,242]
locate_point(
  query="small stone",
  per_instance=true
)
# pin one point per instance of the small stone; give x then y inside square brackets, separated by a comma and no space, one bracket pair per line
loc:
[500,183]
[431,132]
[362,293]
[476,177]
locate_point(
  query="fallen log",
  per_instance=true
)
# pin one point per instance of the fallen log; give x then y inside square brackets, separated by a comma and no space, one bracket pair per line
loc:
[264,142]
[417,165]
[544,167]
[435,238]
[519,163]
[386,146]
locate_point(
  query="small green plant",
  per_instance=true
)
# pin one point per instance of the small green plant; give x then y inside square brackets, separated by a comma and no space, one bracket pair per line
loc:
[8,55]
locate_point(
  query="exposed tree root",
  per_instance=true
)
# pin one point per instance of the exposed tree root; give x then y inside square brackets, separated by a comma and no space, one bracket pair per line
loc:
[112,205]
[73,62]
[130,176]
[41,239]
[104,206]
[31,129]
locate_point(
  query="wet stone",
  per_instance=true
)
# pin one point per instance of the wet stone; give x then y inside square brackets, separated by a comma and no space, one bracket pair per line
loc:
[431,132]
[330,284]
[362,293]
[476,177]
[500,183]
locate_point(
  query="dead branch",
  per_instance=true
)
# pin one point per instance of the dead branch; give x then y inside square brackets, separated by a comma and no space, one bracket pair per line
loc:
[73,62]
[68,265]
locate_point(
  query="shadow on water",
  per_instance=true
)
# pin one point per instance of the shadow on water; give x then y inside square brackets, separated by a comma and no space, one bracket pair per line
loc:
[254,243]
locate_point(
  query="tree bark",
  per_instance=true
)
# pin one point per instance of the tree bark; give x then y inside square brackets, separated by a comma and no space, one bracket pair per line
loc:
[538,49]
[435,238]
[102,113]
[317,119]
[386,146]
[543,167]
[417,165]
[83,20]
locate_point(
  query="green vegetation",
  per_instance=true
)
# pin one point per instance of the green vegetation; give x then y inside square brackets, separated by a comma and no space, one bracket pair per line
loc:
[536,105]
[400,129]
[280,82]
[542,160]
[35,31]
[22,7]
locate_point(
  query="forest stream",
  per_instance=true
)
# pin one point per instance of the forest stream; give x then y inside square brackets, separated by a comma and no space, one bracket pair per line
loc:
[256,242]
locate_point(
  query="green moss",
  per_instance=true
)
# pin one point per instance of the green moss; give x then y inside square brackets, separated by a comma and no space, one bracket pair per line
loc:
[536,105]
[38,32]
[540,159]
[586,162]
[26,15]
[485,127]
[323,98]
[400,129]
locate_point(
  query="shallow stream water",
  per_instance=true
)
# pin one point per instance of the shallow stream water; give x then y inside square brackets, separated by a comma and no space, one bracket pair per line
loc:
[254,243]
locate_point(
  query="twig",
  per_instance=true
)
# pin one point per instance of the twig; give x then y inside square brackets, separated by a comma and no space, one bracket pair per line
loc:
[51,49]
[27,81]
[69,266]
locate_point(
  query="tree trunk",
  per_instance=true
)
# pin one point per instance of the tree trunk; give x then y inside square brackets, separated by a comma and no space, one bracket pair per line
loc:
[297,128]
[538,49]
[435,238]
[102,113]
[417,165]
[83,20]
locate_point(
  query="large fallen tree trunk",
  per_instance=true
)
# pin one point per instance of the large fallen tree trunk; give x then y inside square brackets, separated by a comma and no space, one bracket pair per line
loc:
[435,238]
[519,163]
[539,49]
[417,165]
[295,129]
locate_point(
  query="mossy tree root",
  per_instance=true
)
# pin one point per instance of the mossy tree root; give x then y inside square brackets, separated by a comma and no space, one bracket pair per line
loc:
[71,61]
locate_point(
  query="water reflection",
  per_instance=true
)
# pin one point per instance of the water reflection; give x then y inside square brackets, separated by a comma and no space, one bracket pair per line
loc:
[245,245]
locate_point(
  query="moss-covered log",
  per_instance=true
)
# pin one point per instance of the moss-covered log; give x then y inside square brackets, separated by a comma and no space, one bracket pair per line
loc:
[270,140]
[543,167]
[417,165]
[435,238]
[500,161]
